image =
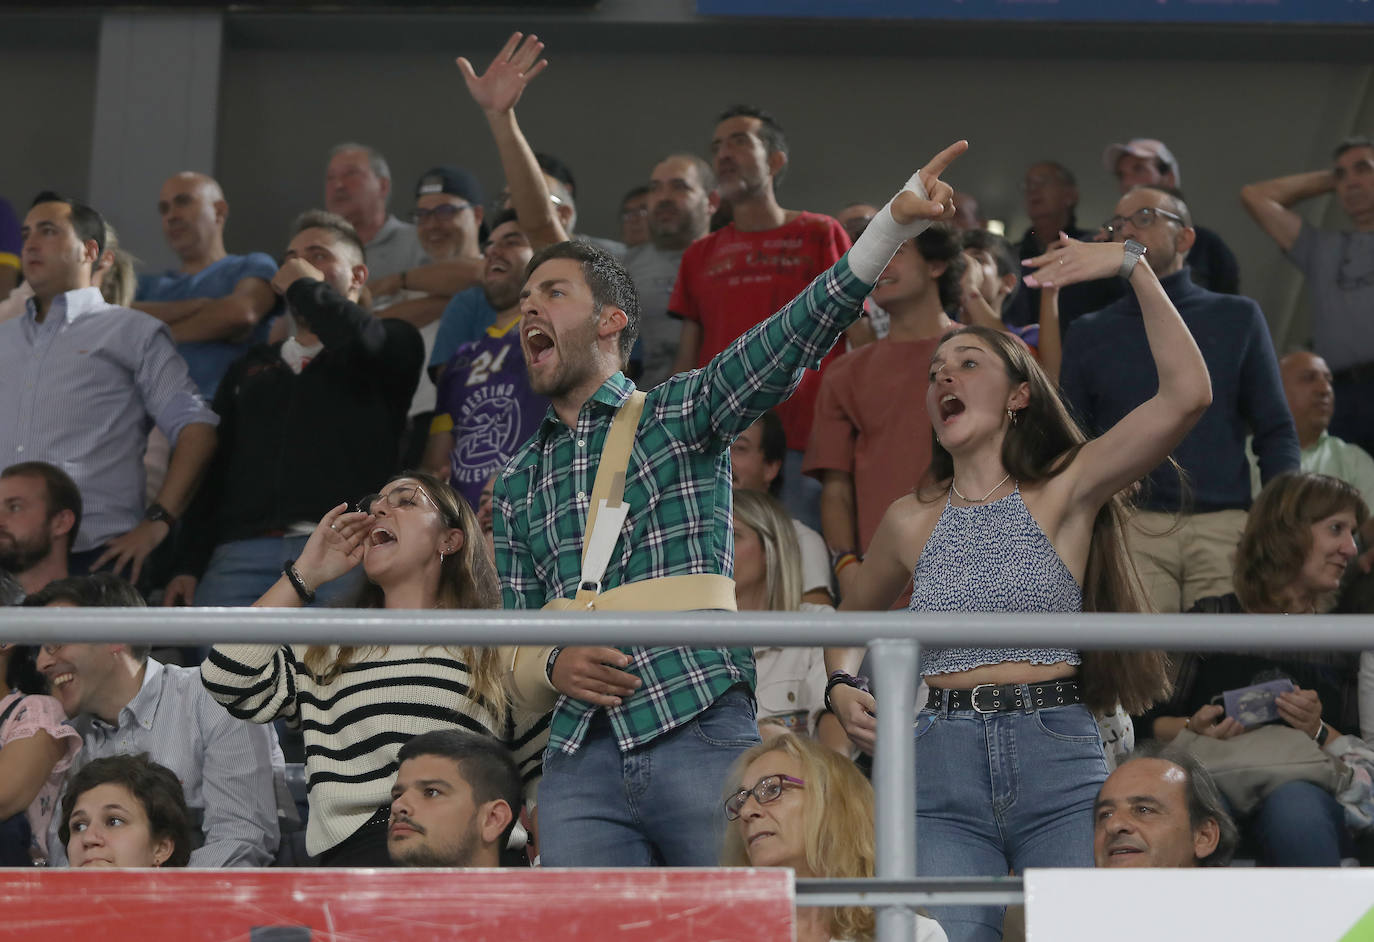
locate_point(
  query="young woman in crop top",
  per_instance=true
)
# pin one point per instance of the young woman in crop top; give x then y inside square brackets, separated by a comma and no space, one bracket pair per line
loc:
[1019,514]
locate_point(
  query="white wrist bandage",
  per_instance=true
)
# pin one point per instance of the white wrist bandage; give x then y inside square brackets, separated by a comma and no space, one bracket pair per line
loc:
[883,236]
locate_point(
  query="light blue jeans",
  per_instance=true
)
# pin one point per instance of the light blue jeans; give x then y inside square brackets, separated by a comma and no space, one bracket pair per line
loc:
[240,571]
[997,792]
[659,804]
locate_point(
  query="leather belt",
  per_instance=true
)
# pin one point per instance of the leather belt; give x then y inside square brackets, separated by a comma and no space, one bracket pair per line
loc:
[1006,698]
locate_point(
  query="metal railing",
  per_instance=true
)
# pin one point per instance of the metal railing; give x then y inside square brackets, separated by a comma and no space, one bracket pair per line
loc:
[893,637]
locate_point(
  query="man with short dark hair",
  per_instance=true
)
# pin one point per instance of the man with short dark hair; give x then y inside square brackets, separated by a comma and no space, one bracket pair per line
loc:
[756,458]
[357,186]
[40,516]
[871,440]
[216,304]
[124,703]
[1162,810]
[307,422]
[1144,161]
[81,382]
[485,407]
[1339,267]
[682,195]
[455,801]
[735,277]
[1108,371]
[650,727]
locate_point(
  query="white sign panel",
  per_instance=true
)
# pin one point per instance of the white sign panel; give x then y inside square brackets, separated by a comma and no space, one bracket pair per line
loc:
[1316,905]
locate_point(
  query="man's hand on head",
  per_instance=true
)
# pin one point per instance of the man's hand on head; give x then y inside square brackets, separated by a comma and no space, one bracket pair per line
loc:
[292,271]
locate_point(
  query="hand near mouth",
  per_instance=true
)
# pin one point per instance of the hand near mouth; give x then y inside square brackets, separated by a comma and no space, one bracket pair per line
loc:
[335,547]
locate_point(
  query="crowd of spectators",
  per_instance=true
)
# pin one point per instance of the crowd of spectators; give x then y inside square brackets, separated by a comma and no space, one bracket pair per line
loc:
[730,405]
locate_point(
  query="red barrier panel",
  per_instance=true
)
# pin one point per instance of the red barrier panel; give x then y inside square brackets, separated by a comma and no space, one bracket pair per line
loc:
[286,905]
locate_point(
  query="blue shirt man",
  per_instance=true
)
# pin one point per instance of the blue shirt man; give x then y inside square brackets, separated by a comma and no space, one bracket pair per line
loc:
[217,305]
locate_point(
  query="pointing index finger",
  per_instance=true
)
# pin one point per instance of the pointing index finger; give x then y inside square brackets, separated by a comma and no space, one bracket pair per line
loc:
[941,161]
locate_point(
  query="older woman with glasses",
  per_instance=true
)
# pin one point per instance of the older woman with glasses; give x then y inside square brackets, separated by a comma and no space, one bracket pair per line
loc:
[421,548]
[794,803]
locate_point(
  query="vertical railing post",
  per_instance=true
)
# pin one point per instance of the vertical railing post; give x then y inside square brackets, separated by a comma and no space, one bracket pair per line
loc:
[894,666]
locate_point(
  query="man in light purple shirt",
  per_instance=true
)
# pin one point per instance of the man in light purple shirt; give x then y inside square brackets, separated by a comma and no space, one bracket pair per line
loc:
[81,381]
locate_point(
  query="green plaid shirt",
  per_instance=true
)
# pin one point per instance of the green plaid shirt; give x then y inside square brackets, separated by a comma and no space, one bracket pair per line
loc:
[678,488]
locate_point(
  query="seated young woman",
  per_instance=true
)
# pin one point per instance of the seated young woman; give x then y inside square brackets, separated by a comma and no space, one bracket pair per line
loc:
[1018,513]
[1298,542]
[794,803]
[125,811]
[421,548]
[768,578]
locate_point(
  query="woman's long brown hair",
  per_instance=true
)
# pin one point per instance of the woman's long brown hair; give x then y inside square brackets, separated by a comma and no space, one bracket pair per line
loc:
[467,579]
[1040,444]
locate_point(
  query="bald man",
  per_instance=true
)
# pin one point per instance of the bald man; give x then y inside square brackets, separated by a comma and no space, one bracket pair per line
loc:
[1307,385]
[216,304]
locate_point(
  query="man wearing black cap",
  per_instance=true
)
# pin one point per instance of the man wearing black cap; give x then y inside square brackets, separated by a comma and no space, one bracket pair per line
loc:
[1144,161]
[449,222]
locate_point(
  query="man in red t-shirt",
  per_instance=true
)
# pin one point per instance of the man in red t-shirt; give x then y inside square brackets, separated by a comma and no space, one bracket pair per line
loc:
[737,276]
[871,440]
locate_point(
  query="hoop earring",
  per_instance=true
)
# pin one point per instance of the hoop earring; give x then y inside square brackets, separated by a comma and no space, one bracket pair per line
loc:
[442,554]
[1011,418]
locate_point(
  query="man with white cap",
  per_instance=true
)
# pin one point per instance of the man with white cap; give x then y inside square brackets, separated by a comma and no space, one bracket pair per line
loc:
[1144,160]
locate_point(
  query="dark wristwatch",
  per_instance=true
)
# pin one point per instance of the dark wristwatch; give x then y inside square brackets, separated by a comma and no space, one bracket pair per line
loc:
[156,513]
[1323,732]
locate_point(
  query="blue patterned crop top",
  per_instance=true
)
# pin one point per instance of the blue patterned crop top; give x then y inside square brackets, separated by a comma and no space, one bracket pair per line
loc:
[992,558]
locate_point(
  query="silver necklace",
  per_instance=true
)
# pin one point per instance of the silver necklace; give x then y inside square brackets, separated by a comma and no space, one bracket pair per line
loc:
[969,500]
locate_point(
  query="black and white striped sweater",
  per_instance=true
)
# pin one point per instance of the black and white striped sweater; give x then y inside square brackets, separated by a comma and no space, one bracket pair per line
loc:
[355,725]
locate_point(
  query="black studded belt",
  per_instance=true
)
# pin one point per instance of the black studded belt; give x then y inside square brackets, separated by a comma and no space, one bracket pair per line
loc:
[1004,698]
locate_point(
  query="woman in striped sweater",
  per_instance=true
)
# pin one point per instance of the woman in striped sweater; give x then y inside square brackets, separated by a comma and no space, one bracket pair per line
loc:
[421,547]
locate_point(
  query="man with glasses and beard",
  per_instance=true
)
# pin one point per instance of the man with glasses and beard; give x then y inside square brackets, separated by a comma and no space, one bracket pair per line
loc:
[1108,371]
[454,802]
[40,513]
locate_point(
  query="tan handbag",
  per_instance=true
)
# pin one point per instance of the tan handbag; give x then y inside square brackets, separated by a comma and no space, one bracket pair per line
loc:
[1247,768]
[526,678]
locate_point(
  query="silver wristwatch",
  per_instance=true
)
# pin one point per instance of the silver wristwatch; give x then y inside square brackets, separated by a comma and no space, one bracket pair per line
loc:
[1134,253]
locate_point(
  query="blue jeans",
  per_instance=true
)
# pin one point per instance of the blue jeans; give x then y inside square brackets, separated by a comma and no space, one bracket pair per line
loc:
[657,804]
[240,571]
[1300,825]
[997,792]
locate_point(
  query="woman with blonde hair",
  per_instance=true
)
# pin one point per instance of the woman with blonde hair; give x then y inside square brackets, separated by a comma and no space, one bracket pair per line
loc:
[421,547]
[1299,540]
[794,803]
[768,578]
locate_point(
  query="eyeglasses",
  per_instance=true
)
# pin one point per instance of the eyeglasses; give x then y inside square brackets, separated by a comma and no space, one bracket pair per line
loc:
[407,495]
[1142,218]
[630,215]
[765,790]
[444,213]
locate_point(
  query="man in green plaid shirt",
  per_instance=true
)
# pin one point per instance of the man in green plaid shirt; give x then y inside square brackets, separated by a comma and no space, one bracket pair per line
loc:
[642,738]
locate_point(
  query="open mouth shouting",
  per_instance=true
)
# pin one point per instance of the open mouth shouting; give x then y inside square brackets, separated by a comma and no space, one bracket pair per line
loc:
[380,536]
[538,345]
[950,406]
